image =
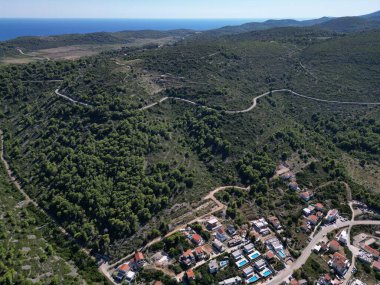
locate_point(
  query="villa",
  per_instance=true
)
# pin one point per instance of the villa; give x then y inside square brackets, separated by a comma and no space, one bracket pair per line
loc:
[237,254]
[231,281]
[260,264]
[332,215]
[213,266]
[249,248]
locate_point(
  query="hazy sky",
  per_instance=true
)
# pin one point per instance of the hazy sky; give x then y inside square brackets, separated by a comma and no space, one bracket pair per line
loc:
[185,8]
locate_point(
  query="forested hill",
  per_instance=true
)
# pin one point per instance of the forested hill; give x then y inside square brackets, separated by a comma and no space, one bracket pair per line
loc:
[32,43]
[115,176]
[337,25]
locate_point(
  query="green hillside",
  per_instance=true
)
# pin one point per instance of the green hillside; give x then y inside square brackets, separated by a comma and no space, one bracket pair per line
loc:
[112,173]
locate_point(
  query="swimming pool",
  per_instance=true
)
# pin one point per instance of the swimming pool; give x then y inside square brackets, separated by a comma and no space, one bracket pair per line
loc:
[223,263]
[253,279]
[266,272]
[281,254]
[241,262]
[254,255]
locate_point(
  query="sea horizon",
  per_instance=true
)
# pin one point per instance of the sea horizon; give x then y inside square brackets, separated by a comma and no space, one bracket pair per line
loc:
[11,28]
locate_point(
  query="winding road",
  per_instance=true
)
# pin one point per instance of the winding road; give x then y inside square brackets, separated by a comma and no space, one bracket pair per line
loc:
[254,101]
[285,274]
[70,99]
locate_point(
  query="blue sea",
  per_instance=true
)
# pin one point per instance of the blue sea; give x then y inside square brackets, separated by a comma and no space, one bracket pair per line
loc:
[12,28]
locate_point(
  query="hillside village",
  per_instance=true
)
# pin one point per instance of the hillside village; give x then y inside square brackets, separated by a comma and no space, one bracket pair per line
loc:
[219,252]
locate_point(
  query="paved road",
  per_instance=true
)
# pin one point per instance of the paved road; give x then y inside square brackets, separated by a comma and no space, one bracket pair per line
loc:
[254,101]
[210,196]
[285,274]
[70,99]
[20,51]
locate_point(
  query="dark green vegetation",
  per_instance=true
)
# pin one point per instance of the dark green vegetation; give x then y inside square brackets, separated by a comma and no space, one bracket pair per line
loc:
[37,43]
[110,173]
[32,247]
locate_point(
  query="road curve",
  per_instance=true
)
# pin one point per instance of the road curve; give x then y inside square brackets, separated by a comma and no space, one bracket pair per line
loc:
[210,196]
[70,99]
[254,101]
[286,273]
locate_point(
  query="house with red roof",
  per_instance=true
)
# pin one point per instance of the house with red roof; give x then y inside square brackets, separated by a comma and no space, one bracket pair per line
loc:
[319,207]
[376,265]
[325,280]
[196,239]
[139,259]
[190,274]
[199,253]
[334,246]
[313,219]
[375,253]
[269,255]
[187,258]
[306,196]
[339,263]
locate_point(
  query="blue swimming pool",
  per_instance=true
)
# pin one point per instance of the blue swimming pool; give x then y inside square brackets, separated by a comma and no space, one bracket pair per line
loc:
[241,263]
[223,263]
[254,255]
[253,279]
[266,273]
[281,253]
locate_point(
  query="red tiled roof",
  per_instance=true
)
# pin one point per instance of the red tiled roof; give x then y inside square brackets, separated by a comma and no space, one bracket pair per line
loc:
[313,218]
[319,206]
[339,260]
[190,274]
[327,277]
[269,255]
[196,238]
[124,267]
[371,250]
[334,244]
[198,250]
[376,265]
[158,283]
[305,194]
[187,253]
[139,256]
[294,282]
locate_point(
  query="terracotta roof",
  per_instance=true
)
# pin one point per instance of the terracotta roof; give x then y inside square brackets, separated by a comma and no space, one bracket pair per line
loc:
[158,283]
[339,260]
[139,256]
[313,218]
[190,274]
[198,250]
[294,282]
[376,265]
[124,267]
[305,194]
[196,238]
[371,250]
[319,206]
[334,244]
[187,253]
[327,277]
[269,255]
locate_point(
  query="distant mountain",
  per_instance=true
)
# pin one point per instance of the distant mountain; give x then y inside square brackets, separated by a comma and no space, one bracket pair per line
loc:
[350,24]
[339,25]
[372,16]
